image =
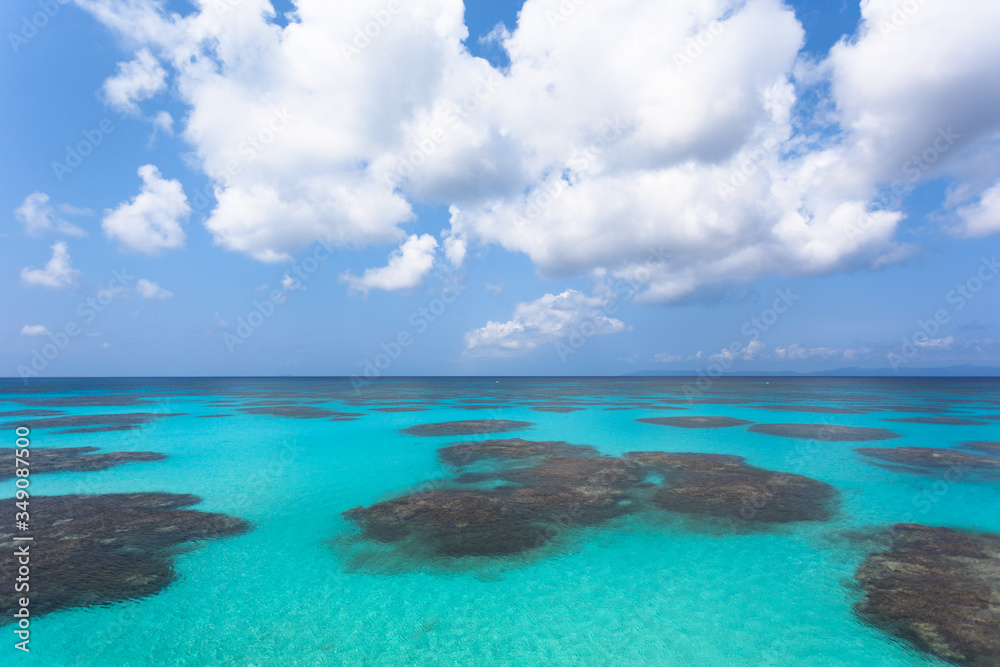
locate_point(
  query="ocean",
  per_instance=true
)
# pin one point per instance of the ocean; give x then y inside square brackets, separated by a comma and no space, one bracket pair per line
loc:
[500,562]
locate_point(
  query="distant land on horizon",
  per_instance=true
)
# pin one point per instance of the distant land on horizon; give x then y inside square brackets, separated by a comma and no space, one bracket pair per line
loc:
[964,370]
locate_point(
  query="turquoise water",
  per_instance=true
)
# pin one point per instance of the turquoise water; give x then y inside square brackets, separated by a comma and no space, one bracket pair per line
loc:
[648,589]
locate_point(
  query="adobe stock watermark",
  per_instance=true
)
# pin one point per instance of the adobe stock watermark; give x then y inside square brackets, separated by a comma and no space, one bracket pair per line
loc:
[901,14]
[959,297]
[697,44]
[248,150]
[915,168]
[435,137]
[752,329]
[622,287]
[47,10]
[363,35]
[563,12]
[264,309]
[747,167]
[542,197]
[87,310]
[76,153]
[420,321]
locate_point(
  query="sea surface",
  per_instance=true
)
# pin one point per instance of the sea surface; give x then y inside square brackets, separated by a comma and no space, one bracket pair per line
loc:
[304,587]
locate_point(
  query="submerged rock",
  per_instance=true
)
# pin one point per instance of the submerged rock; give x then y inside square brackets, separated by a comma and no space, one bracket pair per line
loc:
[298,412]
[722,485]
[696,422]
[944,421]
[108,422]
[466,427]
[749,494]
[74,459]
[465,453]
[582,471]
[673,461]
[825,432]
[988,446]
[939,589]
[816,409]
[452,523]
[96,550]
[929,460]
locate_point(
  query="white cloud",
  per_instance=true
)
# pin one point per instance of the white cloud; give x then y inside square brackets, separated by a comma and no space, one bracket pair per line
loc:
[545,320]
[406,269]
[752,350]
[38,216]
[664,358]
[496,289]
[983,217]
[164,121]
[290,283]
[455,248]
[151,221]
[34,330]
[580,156]
[936,343]
[136,80]
[147,289]
[796,352]
[59,271]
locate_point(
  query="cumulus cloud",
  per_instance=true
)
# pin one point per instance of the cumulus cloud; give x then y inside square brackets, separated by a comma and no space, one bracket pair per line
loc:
[797,352]
[147,289]
[545,320]
[665,358]
[406,269]
[136,80]
[34,330]
[983,217]
[58,272]
[752,350]
[578,156]
[39,215]
[290,283]
[151,221]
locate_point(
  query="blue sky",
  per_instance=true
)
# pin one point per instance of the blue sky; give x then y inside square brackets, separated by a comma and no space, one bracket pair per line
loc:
[587,216]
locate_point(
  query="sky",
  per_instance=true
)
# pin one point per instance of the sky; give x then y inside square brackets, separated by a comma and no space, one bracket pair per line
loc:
[553,187]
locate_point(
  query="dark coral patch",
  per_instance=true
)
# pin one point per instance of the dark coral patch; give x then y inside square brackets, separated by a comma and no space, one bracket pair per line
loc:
[32,413]
[723,485]
[93,400]
[466,427]
[74,459]
[474,477]
[298,412]
[988,446]
[563,504]
[451,523]
[673,461]
[102,429]
[749,494]
[696,422]
[943,421]
[929,460]
[825,432]
[817,409]
[604,471]
[399,408]
[110,421]
[939,589]
[105,548]
[556,408]
[464,453]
